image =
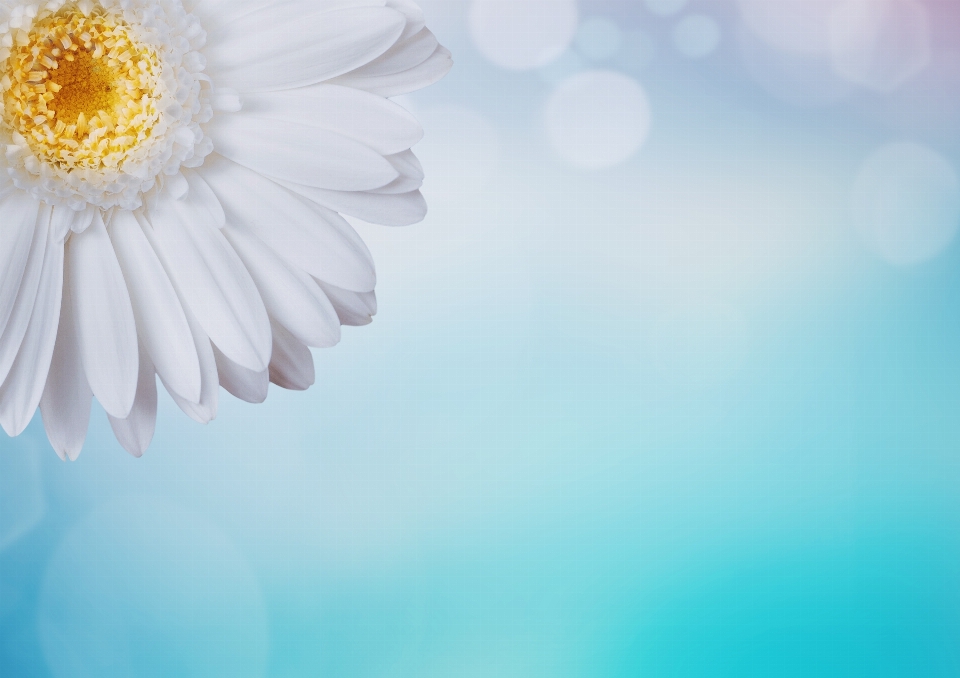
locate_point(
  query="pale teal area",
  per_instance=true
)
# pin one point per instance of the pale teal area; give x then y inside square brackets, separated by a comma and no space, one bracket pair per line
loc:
[22,503]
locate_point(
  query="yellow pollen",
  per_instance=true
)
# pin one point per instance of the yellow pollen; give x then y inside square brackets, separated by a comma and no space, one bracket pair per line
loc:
[84,85]
[80,89]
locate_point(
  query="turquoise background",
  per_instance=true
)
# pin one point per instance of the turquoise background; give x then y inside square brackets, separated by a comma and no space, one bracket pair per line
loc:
[673,418]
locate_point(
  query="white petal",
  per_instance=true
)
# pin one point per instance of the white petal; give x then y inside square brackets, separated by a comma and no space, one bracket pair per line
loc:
[203,200]
[61,221]
[403,56]
[268,49]
[404,82]
[411,174]
[161,322]
[212,280]
[291,366]
[65,404]
[26,297]
[214,12]
[83,219]
[310,237]
[24,386]
[175,186]
[291,297]
[136,431]
[376,208]
[410,179]
[240,382]
[106,329]
[298,152]
[353,308]
[412,13]
[217,13]
[64,220]
[226,100]
[19,212]
[376,122]
[204,411]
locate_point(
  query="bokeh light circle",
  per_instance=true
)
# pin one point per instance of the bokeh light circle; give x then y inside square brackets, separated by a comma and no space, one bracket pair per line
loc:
[906,203]
[696,36]
[522,35]
[880,45]
[805,80]
[597,119]
[143,588]
[599,39]
[794,26]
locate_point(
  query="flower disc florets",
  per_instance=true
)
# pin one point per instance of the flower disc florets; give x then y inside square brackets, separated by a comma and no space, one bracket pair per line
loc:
[100,99]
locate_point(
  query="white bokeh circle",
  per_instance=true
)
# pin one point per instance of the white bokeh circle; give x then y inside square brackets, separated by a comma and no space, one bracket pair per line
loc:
[144,588]
[696,36]
[805,80]
[880,45]
[793,26]
[522,35]
[597,119]
[906,203]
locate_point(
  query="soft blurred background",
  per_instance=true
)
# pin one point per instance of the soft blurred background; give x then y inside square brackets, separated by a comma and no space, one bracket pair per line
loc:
[667,385]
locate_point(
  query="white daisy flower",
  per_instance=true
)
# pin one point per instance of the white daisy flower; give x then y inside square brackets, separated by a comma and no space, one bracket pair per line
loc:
[172,182]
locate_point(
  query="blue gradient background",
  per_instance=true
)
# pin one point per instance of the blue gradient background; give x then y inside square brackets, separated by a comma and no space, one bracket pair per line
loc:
[672,419]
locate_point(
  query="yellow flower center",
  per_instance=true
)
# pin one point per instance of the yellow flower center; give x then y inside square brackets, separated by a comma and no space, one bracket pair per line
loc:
[80,89]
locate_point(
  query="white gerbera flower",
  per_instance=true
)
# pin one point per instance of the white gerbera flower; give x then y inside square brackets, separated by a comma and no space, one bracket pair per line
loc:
[171,204]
